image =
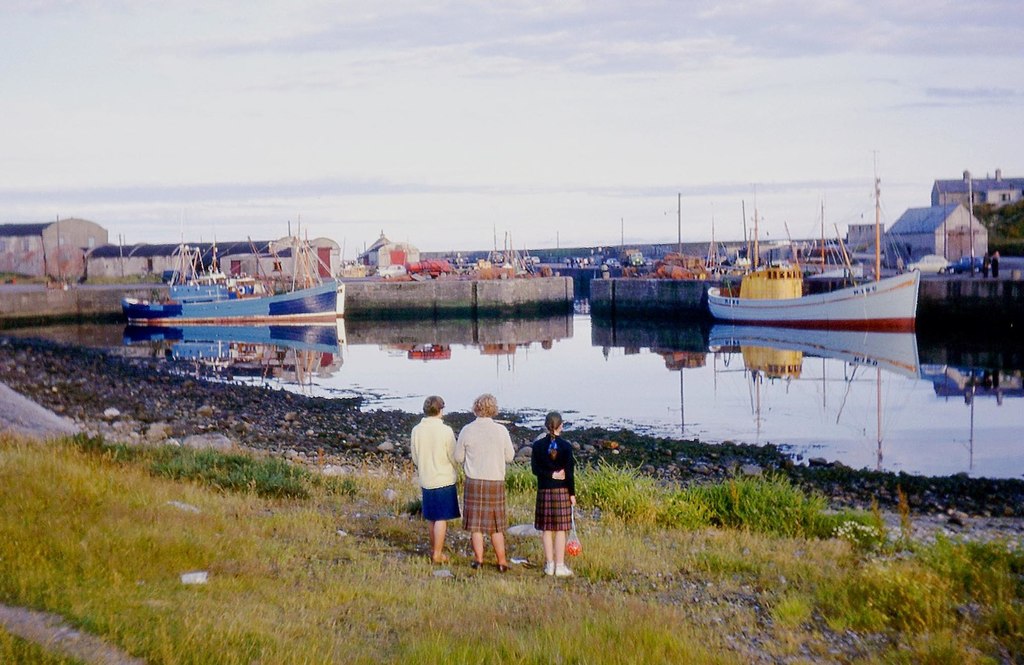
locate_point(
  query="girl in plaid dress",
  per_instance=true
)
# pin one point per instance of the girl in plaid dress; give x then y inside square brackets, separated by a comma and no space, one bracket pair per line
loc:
[552,463]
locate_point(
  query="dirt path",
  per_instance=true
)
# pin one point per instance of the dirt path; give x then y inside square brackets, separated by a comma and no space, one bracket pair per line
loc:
[55,635]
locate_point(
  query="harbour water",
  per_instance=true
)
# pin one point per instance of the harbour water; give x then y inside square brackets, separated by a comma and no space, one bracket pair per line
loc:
[895,402]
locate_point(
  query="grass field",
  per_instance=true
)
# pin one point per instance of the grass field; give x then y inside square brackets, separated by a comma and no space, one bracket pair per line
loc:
[307,569]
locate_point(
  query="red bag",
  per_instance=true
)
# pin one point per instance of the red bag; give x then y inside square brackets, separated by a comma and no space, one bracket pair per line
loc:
[573,547]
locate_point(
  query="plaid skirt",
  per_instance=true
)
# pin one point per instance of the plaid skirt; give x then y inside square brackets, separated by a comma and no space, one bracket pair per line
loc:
[554,511]
[483,506]
[440,503]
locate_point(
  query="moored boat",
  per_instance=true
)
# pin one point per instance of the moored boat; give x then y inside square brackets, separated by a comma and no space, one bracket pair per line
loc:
[324,303]
[211,297]
[773,297]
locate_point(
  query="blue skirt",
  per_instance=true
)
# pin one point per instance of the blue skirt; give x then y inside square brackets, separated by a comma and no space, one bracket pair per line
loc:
[441,503]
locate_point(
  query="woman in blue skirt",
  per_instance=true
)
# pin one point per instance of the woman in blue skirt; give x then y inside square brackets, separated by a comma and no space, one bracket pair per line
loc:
[431,448]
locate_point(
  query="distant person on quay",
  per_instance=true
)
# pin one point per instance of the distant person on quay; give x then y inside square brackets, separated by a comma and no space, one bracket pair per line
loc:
[986,263]
[995,263]
[484,447]
[552,462]
[432,448]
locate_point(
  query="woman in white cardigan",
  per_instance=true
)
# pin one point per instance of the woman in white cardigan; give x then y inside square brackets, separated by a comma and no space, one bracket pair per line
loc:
[484,448]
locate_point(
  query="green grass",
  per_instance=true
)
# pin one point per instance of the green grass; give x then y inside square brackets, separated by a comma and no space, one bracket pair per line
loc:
[16,650]
[266,477]
[94,533]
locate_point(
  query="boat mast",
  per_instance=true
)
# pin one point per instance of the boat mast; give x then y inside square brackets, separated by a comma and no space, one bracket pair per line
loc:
[823,235]
[757,249]
[878,227]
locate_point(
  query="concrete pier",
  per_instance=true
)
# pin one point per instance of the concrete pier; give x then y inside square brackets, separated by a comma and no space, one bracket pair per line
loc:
[26,304]
[442,298]
[31,303]
[973,301]
[942,300]
[660,298]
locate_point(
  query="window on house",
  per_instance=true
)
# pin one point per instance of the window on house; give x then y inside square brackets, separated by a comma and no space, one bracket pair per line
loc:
[26,244]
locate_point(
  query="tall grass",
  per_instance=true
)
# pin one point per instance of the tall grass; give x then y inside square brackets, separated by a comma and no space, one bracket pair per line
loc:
[16,650]
[267,477]
[338,573]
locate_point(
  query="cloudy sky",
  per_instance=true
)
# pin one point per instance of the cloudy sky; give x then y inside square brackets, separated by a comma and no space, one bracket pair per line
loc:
[447,124]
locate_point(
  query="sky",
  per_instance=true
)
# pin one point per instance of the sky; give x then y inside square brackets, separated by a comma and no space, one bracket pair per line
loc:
[461,125]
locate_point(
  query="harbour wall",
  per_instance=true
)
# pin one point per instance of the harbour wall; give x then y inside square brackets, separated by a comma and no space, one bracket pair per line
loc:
[660,298]
[942,300]
[28,304]
[443,298]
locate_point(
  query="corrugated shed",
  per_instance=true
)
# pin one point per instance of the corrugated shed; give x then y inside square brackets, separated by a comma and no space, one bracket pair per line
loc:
[22,230]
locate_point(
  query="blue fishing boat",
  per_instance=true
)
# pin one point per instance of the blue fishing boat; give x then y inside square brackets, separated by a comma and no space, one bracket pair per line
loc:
[213,298]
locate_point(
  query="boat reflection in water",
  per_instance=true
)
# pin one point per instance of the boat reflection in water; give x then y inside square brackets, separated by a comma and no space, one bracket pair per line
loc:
[892,352]
[293,354]
[779,353]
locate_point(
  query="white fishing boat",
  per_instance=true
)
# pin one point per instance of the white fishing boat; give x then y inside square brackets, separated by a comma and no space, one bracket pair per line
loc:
[774,296]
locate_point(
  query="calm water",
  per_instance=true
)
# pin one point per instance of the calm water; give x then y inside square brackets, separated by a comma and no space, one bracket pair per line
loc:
[889,401]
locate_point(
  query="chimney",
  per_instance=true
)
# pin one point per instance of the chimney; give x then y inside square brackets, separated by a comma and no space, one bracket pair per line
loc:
[999,175]
[967,176]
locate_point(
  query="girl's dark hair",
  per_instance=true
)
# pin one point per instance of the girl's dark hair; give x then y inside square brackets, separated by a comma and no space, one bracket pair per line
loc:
[552,421]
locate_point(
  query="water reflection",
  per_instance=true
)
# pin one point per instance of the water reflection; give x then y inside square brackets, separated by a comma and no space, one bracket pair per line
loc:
[938,403]
[859,397]
[291,354]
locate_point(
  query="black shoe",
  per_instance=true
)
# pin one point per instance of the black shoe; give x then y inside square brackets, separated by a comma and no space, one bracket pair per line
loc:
[476,564]
[502,569]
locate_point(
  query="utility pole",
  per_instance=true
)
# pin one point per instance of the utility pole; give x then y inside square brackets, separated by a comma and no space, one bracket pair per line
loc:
[970,215]
[679,222]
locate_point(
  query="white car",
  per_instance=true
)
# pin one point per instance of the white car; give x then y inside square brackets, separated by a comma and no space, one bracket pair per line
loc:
[929,263]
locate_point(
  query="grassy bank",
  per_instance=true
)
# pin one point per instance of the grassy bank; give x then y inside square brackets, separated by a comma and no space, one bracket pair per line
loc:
[307,569]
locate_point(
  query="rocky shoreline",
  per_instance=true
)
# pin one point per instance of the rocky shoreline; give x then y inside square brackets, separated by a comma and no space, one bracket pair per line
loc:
[140,399]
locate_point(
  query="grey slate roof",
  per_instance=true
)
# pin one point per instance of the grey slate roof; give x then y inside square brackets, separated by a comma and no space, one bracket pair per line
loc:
[922,220]
[22,230]
[978,184]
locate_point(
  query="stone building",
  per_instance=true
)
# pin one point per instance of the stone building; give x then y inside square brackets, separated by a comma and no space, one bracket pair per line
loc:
[997,191]
[947,230]
[383,252]
[52,249]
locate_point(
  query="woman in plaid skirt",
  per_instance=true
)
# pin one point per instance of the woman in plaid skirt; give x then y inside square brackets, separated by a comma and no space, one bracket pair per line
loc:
[552,463]
[484,447]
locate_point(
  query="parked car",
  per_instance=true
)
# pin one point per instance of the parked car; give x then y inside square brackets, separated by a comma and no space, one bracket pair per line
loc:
[963,264]
[929,263]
